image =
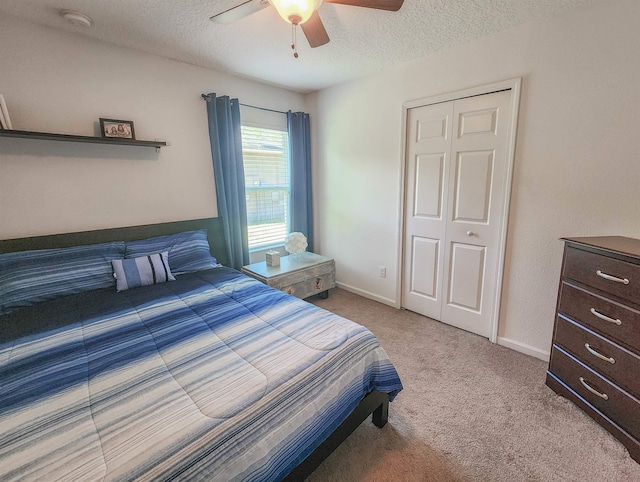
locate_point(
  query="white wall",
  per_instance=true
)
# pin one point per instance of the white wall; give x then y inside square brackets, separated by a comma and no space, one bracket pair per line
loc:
[576,166]
[59,82]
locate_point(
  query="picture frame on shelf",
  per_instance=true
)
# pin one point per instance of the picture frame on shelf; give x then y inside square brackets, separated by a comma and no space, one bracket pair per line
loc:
[5,121]
[114,128]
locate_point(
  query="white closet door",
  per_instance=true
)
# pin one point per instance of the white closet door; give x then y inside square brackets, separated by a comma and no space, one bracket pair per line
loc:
[428,151]
[456,260]
[477,183]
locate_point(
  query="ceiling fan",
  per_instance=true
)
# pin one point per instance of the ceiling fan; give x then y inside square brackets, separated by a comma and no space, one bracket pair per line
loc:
[301,12]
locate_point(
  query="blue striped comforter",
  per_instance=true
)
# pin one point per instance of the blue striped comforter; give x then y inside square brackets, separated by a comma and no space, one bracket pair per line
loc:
[212,377]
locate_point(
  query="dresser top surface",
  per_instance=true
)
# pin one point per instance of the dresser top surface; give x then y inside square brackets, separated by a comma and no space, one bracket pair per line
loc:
[617,244]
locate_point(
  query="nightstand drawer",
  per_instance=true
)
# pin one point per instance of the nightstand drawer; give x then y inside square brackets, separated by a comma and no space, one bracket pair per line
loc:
[310,286]
[611,360]
[597,390]
[608,275]
[603,315]
[302,275]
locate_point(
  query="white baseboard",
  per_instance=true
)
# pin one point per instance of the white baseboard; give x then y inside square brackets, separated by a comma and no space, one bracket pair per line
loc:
[367,294]
[524,348]
[506,342]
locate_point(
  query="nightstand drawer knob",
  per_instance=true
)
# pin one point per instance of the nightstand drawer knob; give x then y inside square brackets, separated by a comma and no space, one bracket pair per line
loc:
[604,396]
[605,317]
[599,355]
[606,276]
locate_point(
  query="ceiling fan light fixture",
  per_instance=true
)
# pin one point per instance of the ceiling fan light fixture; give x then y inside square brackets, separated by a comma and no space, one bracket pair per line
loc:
[76,18]
[296,12]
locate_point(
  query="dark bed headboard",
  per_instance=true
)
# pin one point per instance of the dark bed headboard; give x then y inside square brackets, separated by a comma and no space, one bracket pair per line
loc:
[130,233]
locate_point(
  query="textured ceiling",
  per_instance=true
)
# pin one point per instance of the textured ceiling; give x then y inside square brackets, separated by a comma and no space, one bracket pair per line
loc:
[363,41]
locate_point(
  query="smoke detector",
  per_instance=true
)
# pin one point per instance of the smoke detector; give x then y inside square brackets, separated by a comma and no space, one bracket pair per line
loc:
[76,18]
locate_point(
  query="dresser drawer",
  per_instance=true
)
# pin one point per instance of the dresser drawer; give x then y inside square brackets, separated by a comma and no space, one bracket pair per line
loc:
[609,275]
[598,391]
[612,361]
[603,315]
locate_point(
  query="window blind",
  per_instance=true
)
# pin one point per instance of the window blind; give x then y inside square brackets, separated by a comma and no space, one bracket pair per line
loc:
[267,184]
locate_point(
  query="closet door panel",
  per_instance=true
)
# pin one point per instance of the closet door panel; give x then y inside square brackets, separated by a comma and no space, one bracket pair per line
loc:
[428,187]
[466,270]
[472,184]
[424,256]
[476,190]
[427,169]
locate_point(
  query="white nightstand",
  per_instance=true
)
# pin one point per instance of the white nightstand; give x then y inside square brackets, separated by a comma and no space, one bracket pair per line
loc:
[302,275]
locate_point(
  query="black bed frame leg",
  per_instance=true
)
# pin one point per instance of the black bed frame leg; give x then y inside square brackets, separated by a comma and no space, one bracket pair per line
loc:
[381,415]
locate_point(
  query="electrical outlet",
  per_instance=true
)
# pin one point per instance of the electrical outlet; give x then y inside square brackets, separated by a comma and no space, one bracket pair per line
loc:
[383,272]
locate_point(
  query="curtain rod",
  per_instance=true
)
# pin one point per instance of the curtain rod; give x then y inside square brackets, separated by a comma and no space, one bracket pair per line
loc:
[263,108]
[206,97]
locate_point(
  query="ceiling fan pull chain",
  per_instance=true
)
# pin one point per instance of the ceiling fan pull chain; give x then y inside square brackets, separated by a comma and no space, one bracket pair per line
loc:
[294,40]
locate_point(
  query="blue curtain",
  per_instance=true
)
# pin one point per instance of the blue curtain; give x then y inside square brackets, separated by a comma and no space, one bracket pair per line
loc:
[226,153]
[301,195]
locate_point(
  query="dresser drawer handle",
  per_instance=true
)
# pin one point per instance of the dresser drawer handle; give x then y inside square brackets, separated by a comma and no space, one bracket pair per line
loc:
[605,317]
[606,276]
[599,355]
[604,396]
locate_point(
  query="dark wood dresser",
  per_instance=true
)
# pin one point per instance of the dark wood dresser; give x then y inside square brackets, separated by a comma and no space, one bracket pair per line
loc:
[595,356]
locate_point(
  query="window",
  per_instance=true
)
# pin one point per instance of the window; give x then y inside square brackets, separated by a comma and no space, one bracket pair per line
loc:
[267,183]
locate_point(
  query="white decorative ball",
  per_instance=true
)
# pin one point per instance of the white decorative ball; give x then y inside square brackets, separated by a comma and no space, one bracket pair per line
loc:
[295,243]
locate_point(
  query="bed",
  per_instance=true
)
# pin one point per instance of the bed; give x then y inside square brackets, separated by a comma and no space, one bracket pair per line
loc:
[202,374]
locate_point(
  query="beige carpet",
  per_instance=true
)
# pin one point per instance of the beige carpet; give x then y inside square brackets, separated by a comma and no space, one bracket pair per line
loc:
[470,410]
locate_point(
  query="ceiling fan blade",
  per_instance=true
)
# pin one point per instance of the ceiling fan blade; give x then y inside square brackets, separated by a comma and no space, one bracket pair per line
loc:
[245,9]
[314,31]
[390,5]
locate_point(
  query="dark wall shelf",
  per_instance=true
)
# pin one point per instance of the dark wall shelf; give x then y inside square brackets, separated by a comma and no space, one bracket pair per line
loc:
[45,136]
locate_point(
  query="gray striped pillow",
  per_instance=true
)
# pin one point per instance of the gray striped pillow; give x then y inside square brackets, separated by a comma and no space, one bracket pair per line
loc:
[147,270]
[188,251]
